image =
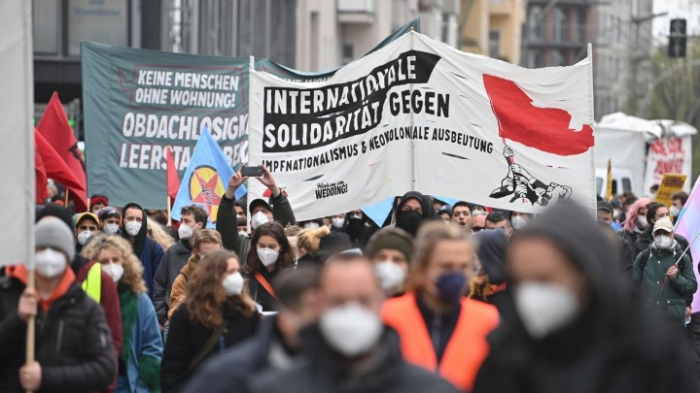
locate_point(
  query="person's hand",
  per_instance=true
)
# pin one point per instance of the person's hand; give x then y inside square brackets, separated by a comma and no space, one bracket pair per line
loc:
[236,180]
[672,272]
[687,313]
[508,152]
[30,376]
[269,181]
[27,304]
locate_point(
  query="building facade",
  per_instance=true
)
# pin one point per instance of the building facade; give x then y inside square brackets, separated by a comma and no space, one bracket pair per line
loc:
[492,28]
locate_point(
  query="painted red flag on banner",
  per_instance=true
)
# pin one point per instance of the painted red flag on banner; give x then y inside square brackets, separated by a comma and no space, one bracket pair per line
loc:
[41,178]
[173,178]
[546,129]
[56,168]
[54,127]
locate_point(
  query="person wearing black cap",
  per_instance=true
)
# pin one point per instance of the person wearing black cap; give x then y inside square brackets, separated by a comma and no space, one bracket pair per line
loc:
[445,213]
[278,210]
[412,211]
[605,218]
[331,244]
[577,326]
[109,220]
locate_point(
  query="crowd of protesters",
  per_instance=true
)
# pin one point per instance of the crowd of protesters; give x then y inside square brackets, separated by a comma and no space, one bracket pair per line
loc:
[437,298]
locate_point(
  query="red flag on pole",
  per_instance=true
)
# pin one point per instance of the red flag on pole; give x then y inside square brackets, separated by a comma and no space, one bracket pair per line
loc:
[55,129]
[546,129]
[41,178]
[173,178]
[55,167]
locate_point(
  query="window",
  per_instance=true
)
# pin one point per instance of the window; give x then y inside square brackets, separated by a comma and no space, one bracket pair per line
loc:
[535,23]
[626,184]
[559,25]
[45,26]
[558,59]
[97,20]
[535,59]
[494,43]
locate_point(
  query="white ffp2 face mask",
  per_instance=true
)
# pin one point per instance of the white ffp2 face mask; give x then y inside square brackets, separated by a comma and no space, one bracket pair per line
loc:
[185,232]
[663,242]
[111,229]
[518,222]
[390,274]
[133,228]
[268,256]
[83,237]
[258,219]
[50,263]
[351,329]
[233,284]
[545,307]
[337,222]
[114,270]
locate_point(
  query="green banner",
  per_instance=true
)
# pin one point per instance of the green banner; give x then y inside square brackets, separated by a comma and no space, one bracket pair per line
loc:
[138,102]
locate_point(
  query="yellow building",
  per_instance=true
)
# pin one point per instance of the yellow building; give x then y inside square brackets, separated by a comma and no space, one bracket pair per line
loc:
[492,28]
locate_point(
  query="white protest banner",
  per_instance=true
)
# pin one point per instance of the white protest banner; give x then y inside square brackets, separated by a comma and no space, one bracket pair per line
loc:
[17,150]
[420,115]
[668,155]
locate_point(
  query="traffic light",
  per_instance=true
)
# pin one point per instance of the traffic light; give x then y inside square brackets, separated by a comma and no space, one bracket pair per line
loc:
[677,39]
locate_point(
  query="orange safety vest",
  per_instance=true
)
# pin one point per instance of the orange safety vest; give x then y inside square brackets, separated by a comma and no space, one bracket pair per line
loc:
[464,353]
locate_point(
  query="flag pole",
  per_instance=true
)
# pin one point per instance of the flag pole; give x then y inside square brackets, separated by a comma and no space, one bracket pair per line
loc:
[681,257]
[66,201]
[30,322]
[170,221]
[88,204]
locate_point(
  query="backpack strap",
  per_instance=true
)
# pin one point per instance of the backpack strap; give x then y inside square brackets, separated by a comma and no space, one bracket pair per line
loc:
[263,281]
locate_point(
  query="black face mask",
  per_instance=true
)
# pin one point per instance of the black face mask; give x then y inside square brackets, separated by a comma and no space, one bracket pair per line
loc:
[409,221]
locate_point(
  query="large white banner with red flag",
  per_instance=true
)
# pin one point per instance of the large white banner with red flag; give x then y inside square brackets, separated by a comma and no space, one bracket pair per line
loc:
[420,115]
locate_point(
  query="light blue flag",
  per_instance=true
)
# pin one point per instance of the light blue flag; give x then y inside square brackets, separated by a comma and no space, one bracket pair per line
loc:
[205,180]
[379,211]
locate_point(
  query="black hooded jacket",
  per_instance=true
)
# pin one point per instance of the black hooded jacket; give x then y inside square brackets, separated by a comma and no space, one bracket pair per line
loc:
[321,370]
[426,206]
[148,251]
[616,344]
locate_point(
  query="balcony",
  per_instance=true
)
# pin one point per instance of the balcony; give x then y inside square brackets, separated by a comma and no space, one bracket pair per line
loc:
[356,11]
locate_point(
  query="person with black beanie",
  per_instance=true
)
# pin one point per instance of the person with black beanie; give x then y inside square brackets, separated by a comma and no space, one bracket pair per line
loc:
[413,209]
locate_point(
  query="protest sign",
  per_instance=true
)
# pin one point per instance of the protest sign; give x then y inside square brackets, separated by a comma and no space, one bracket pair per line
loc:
[668,155]
[420,115]
[670,184]
[139,102]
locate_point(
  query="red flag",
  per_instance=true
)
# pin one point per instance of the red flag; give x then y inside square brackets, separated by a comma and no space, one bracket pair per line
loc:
[54,127]
[546,129]
[41,192]
[173,178]
[56,168]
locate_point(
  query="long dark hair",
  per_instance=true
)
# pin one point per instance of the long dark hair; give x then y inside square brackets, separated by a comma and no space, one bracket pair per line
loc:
[275,230]
[205,293]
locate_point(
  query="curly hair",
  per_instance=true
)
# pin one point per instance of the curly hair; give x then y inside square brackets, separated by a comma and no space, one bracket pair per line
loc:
[205,292]
[157,233]
[286,254]
[133,270]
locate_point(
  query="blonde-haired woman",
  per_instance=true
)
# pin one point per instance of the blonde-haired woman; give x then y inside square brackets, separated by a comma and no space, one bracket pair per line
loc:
[309,242]
[216,314]
[142,347]
[157,233]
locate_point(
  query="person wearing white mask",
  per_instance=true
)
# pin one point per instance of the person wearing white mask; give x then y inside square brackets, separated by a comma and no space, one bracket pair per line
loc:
[217,315]
[277,342]
[194,219]
[135,230]
[73,351]
[278,210]
[142,346]
[519,220]
[109,220]
[390,250]
[576,326]
[86,226]
[665,278]
[349,349]
[271,253]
